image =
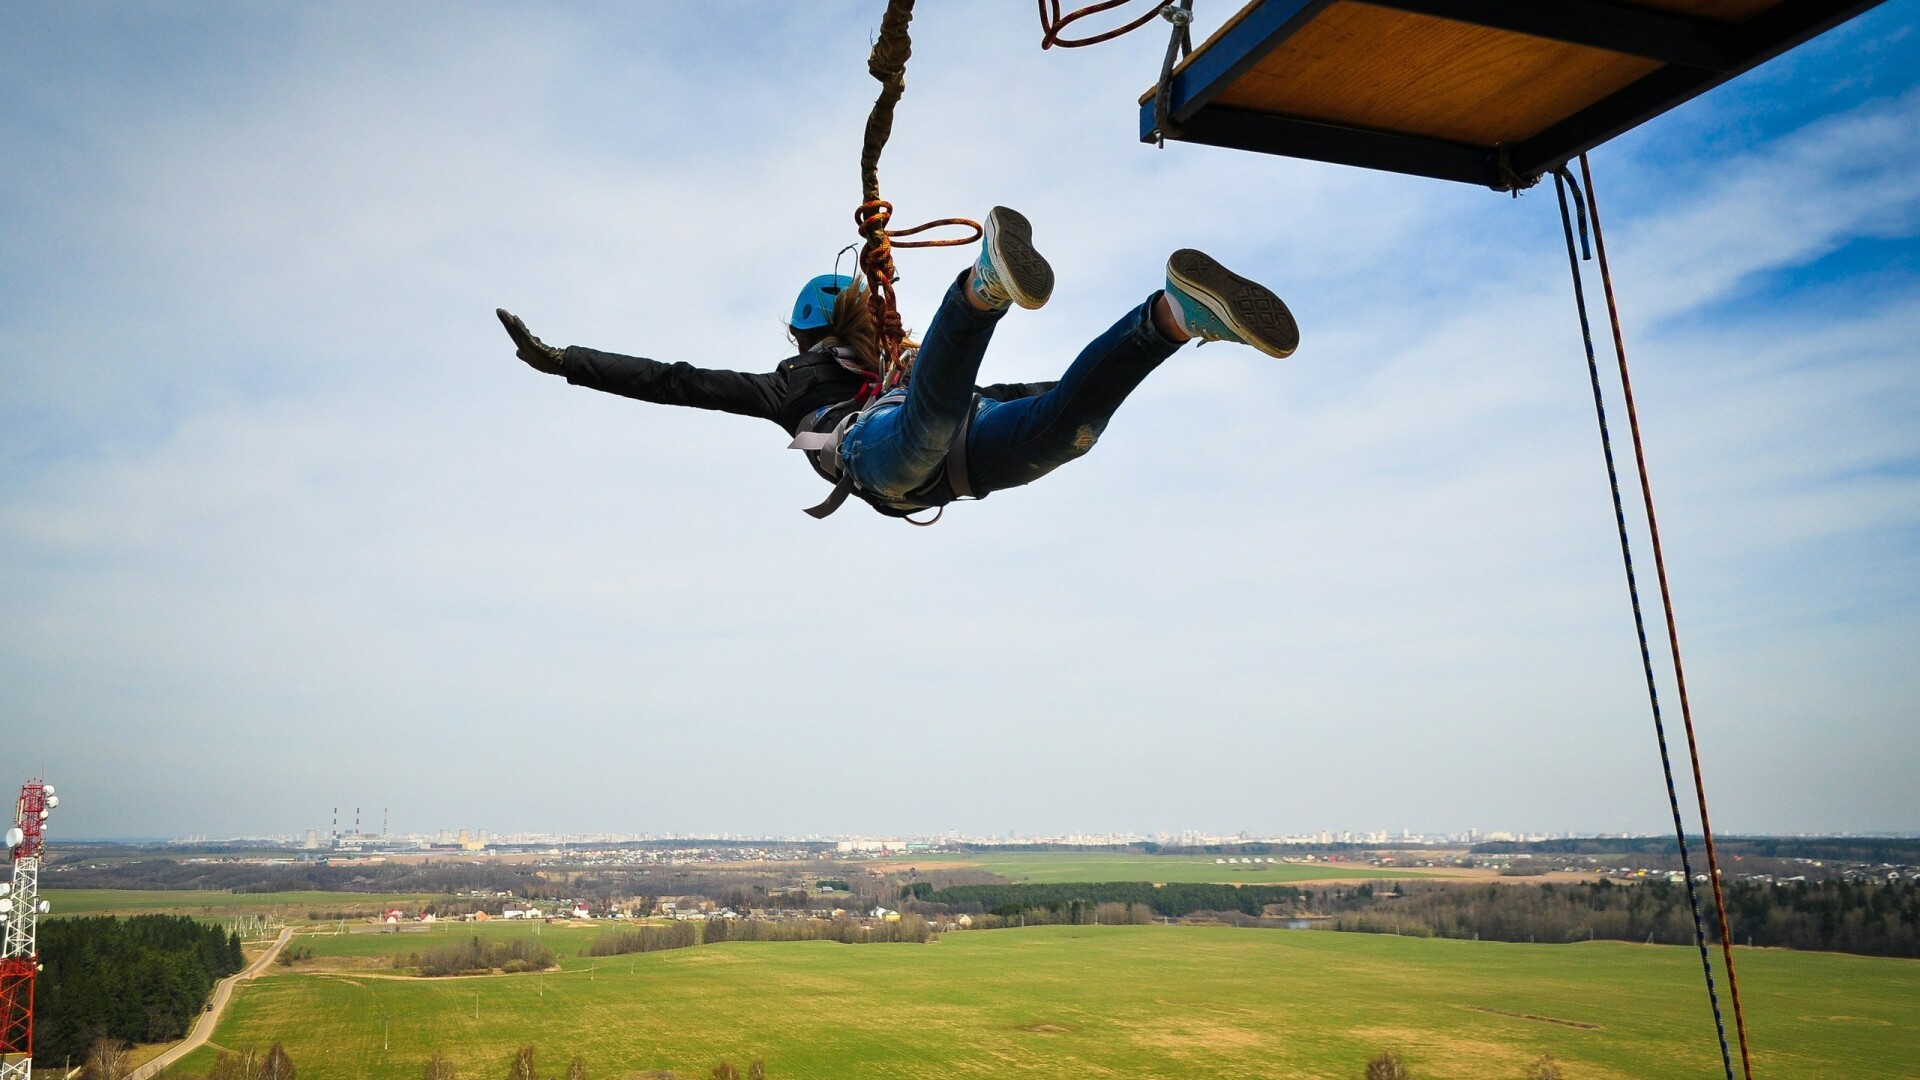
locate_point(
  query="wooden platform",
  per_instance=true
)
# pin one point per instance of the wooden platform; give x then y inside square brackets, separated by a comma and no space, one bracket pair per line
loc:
[1491,92]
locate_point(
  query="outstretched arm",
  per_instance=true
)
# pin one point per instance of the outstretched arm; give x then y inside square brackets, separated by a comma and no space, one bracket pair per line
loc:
[650,380]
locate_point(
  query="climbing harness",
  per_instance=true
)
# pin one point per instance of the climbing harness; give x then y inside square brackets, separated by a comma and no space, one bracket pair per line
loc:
[1587,209]
[822,447]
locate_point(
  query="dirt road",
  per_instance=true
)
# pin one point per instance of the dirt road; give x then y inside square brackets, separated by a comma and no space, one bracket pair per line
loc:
[203,1030]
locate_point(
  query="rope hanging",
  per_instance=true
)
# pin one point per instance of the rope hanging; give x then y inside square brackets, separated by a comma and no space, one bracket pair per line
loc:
[1053,22]
[1562,180]
[1179,46]
[1666,603]
[888,64]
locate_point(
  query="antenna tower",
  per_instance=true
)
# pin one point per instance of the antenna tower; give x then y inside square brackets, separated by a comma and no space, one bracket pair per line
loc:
[20,911]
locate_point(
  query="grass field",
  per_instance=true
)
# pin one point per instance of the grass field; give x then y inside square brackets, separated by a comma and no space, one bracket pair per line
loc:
[1051,867]
[1096,1001]
[290,906]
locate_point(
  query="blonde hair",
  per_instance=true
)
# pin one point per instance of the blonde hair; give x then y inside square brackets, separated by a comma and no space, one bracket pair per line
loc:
[852,326]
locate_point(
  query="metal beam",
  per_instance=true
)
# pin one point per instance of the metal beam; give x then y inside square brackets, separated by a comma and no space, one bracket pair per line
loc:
[1652,35]
[1263,27]
[1258,31]
[1759,40]
[1267,133]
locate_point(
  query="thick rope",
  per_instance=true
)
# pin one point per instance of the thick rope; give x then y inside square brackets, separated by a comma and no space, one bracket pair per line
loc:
[1673,633]
[1562,179]
[888,64]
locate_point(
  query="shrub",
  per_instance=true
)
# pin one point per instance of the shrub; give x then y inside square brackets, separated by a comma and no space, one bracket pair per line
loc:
[1387,1066]
[1545,1069]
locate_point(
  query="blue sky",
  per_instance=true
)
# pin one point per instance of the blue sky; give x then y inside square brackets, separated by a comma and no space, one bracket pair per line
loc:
[283,524]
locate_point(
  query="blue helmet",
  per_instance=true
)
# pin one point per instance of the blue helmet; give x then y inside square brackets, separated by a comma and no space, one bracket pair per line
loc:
[813,308]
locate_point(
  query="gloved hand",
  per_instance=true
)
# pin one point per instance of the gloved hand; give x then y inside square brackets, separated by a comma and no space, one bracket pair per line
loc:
[539,355]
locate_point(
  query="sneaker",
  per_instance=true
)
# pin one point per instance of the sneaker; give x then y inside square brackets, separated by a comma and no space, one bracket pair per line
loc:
[1009,271]
[1217,304]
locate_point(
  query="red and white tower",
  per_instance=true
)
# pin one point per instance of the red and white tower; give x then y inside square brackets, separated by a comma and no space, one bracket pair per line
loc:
[20,911]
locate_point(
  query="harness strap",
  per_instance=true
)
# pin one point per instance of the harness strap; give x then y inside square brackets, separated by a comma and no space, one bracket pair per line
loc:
[957,476]
[841,489]
[823,450]
[814,440]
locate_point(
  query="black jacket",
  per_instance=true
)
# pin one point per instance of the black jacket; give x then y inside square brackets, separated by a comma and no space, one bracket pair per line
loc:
[795,389]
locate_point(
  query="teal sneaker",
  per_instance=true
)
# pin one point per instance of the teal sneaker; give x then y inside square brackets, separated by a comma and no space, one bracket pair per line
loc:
[1009,270]
[1216,304]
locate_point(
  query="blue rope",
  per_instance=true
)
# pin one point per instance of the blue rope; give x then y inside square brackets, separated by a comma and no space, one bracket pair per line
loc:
[1562,180]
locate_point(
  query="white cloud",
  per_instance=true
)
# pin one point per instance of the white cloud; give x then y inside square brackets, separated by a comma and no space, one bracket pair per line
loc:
[279,503]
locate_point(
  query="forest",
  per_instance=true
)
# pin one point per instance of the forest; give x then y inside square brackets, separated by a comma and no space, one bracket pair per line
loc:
[139,979]
[1867,918]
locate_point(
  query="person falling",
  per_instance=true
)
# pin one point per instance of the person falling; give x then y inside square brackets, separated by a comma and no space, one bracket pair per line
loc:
[939,437]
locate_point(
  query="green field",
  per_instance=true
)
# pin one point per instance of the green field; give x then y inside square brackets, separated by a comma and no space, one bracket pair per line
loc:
[1053,867]
[290,906]
[1096,1001]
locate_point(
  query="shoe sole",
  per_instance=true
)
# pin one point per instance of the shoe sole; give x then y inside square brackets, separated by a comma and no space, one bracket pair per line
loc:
[1250,309]
[1010,238]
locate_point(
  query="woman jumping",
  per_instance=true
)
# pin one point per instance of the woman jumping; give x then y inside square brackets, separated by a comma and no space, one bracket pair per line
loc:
[941,438]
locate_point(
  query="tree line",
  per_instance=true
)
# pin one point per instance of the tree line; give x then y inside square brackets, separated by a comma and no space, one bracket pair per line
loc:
[131,980]
[1858,849]
[911,928]
[688,933]
[1867,918]
[512,956]
[1172,900]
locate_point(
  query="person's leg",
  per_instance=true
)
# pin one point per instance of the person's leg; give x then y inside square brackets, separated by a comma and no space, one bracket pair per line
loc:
[899,450]
[1018,442]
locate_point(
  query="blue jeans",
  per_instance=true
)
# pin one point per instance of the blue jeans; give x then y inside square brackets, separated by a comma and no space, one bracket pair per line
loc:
[898,452]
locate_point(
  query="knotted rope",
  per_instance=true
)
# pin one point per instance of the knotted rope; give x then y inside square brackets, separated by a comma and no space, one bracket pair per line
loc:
[888,64]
